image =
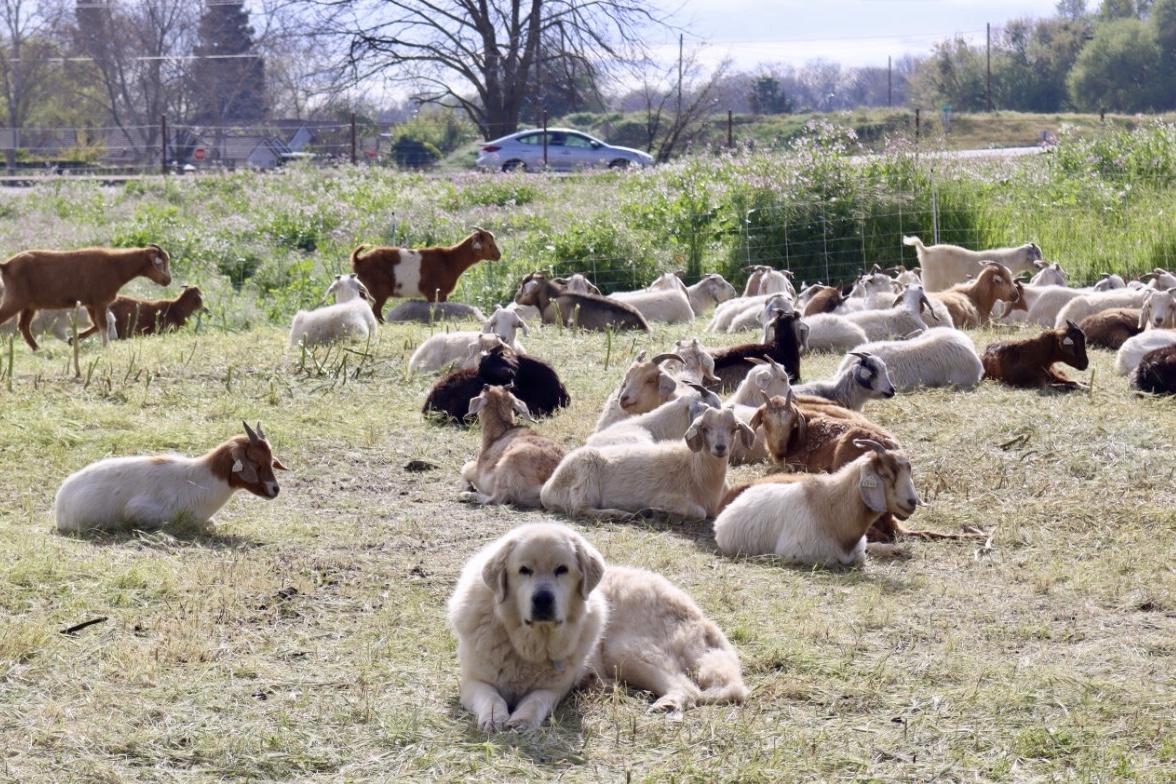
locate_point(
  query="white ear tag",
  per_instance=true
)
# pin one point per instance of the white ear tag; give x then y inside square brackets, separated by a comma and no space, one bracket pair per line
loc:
[238,466]
[1067,342]
[869,482]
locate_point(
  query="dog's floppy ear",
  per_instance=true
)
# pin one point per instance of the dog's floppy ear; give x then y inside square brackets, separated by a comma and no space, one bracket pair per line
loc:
[494,572]
[591,566]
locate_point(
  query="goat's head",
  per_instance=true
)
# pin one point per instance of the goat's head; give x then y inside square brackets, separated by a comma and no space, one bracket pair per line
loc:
[193,299]
[768,376]
[254,463]
[347,288]
[646,384]
[999,279]
[530,287]
[1072,345]
[485,343]
[501,402]
[914,298]
[715,431]
[1110,281]
[886,483]
[1032,252]
[158,265]
[698,364]
[790,335]
[505,323]
[871,374]
[717,287]
[498,366]
[483,245]
[783,423]
[1159,310]
[668,281]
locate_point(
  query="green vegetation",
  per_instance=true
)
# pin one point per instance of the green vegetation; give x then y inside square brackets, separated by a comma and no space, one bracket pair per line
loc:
[264,245]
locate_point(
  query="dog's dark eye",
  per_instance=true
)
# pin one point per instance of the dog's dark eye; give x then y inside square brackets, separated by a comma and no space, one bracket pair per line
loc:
[525,571]
[560,570]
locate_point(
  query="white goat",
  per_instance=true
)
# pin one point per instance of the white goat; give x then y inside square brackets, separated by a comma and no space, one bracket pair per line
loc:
[939,357]
[822,518]
[831,332]
[669,421]
[761,317]
[684,480]
[56,322]
[127,493]
[946,265]
[768,378]
[1109,282]
[1089,304]
[578,284]
[1049,275]
[709,292]
[696,363]
[350,318]
[1159,310]
[1159,278]
[668,305]
[1134,348]
[903,318]
[445,347]
[854,384]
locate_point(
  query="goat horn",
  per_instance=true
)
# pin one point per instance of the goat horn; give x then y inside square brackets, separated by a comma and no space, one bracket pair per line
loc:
[1105,275]
[260,432]
[862,354]
[253,439]
[1147,276]
[871,443]
[657,360]
[788,273]
[876,268]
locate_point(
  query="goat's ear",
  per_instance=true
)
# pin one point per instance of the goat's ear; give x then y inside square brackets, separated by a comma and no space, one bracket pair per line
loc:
[1145,313]
[278,465]
[694,437]
[757,419]
[591,565]
[476,405]
[800,428]
[242,466]
[666,384]
[872,490]
[746,434]
[494,570]
[523,325]
[521,408]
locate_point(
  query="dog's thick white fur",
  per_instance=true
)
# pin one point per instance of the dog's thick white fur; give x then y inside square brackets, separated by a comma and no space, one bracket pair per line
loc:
[537,613]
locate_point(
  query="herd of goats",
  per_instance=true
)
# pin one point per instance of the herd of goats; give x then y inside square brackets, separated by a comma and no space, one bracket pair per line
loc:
[663,441]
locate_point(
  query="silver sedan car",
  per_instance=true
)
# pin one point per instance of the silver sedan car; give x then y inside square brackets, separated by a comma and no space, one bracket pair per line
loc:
[567,150]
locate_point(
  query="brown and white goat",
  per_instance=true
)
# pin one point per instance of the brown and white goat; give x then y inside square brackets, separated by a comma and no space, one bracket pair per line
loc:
[146,317]
[807,436]
[151,492]
[515,461]
[42,279]
[970,304]
[431,273]
[826,299]
[1029,362]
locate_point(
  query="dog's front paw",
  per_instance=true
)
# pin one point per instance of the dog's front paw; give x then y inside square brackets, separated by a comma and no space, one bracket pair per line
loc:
[494,719]
[523,723]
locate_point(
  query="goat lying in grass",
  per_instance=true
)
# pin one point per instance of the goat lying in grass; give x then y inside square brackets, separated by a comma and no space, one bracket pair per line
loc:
[1029,362]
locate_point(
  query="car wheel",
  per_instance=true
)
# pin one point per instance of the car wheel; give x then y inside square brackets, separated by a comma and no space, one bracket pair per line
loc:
[619,163]
[514,165]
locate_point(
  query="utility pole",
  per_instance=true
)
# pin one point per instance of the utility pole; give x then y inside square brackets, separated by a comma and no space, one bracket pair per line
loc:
[354,159]
[988,36]
[681,39]
[730,129]
[163,144]
[889,81]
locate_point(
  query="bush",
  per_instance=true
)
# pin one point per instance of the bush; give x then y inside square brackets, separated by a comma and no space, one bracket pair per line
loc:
[413,153]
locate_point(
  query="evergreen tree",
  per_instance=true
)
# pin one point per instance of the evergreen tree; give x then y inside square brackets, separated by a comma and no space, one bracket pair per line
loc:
[767,97]
[228,81]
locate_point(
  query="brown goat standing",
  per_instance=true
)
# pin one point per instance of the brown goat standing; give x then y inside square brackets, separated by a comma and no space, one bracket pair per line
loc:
[146,317]
[428,272]
[1029,362]
[42,279]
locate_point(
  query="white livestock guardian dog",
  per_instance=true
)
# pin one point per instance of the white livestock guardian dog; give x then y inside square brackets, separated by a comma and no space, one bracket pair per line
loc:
[537,612]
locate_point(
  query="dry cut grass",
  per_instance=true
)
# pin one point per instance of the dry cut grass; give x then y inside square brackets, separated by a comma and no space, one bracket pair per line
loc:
[306,640]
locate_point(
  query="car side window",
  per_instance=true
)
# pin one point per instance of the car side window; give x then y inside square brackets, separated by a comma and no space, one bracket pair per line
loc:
[530,138]
[582,142]
[556,139]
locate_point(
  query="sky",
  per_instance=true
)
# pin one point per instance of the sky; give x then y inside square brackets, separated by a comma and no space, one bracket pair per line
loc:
[851,32]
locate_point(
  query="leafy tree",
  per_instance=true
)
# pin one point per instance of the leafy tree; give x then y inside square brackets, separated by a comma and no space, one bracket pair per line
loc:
[955,74]
[1029,73]
[1118,9]
[1119,70]
[1071,9]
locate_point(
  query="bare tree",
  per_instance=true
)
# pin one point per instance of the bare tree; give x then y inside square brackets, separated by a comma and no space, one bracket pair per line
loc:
[672,122]
[481,55]
[27,52]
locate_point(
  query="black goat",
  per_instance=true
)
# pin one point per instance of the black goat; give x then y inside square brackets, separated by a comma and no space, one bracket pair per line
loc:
[535,383]
[1156,372]
[789,334]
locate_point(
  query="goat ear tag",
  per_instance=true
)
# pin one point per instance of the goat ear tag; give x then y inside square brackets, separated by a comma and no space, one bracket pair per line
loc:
[869,482]
[238,466]
[1067,341]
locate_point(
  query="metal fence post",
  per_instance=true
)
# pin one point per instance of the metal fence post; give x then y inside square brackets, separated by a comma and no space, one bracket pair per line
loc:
[163,144]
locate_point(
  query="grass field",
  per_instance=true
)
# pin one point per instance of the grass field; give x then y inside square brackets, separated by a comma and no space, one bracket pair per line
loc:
[305,640]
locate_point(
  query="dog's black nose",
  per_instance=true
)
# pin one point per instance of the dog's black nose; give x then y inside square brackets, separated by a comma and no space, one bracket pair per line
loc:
[543,606]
